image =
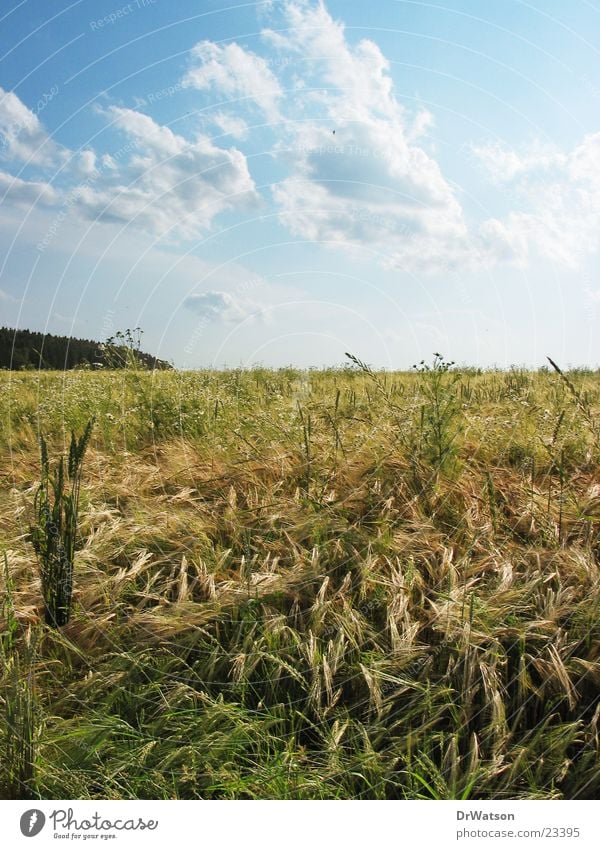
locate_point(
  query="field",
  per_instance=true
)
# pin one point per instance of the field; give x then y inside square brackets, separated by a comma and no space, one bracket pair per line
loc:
[322,584]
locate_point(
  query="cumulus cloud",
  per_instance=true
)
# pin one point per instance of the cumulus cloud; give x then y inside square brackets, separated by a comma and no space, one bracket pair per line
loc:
[224,307]
[14,190]
[158,181]
[503,165]
[169,184]
[361,174]
[232,125]
[86,163]
[369,184]
[234,72]
[559,215]
[356,168]
[359,76]
[22,135]
[372,190]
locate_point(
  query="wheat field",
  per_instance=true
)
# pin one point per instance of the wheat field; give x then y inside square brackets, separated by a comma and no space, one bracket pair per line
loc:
[325,584]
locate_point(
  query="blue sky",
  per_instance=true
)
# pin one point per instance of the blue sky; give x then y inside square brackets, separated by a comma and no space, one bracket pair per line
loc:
[280,182]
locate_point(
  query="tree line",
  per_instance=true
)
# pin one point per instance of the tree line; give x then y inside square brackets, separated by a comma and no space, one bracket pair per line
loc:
[27,349]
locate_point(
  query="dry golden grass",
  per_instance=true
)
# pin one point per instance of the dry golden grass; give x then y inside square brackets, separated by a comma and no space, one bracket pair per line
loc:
[280,594]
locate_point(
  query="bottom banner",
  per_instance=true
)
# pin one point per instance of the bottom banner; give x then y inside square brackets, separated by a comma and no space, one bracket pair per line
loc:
[300,824]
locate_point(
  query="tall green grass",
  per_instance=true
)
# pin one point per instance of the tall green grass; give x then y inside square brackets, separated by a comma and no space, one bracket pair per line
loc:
[331,584]
[54,532]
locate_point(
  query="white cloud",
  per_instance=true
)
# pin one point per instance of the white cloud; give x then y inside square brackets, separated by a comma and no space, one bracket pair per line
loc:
[232,125]
[358,75]
[368,184]
[559,196]
[14,190]
[159,181]
[370,188]
[503,165]
[422,123]
[224,307]
[86,163]
[22,136]
[233,72]
[374,182]
[146,132]
[358,168]
[169,184]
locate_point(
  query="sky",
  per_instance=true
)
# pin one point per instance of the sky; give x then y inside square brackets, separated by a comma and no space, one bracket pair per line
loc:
[281,182]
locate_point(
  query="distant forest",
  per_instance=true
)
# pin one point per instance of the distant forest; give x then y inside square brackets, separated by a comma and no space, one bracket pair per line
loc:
[26,349]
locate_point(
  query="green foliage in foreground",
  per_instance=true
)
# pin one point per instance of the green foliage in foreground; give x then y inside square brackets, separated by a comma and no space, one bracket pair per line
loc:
[328,584]
[54,532]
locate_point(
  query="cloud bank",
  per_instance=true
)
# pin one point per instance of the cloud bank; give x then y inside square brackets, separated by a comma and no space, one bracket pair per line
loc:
[355,169]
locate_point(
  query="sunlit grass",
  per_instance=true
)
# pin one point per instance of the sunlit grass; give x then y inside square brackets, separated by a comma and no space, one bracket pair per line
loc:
[309,585]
